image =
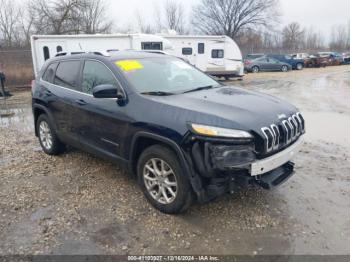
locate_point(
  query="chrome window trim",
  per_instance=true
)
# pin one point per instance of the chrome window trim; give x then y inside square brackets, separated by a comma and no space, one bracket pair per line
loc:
[80,92]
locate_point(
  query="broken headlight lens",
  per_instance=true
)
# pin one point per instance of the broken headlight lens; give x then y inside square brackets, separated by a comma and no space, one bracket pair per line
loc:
[219,131]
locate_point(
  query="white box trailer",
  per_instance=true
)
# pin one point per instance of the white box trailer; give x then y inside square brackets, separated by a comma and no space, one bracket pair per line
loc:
[216,55]
[48,46]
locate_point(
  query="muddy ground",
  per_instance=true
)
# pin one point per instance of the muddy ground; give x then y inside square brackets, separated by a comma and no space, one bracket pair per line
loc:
[79,204]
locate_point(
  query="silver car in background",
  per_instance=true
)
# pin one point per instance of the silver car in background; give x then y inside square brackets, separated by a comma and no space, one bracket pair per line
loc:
[266,64]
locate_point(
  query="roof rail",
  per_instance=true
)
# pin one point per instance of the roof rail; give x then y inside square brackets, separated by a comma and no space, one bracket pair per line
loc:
[79,53]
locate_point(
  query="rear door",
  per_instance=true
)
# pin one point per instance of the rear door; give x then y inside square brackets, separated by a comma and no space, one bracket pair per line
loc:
[66,93]
[101,122]
[262,63]
[274,64]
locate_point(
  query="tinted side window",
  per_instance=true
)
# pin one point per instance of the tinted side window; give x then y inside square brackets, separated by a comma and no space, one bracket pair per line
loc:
[217,53]
[152,46]
[94,74]
[67,74]
[187,51]
[50,73]
[201,48]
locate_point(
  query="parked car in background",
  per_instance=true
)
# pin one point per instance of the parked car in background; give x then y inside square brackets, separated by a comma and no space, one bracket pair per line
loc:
[253,56]
[316,60]
[334,58]
[300,56]
[346,57]
[266,64]
[297,64]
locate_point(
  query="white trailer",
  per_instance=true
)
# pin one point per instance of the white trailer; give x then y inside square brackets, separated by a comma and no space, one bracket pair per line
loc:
[216,55]
[48,46]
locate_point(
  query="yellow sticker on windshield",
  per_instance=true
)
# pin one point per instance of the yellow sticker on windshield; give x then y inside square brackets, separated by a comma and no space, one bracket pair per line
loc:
[129,65]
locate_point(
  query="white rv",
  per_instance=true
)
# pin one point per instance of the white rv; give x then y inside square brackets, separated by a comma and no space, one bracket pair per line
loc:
[216,55]
[48,46]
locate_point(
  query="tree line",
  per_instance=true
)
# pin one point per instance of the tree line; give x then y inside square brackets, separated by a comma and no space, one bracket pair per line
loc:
[252,23]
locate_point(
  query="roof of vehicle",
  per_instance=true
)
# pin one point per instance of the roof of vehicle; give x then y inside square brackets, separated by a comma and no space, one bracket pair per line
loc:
[119,55]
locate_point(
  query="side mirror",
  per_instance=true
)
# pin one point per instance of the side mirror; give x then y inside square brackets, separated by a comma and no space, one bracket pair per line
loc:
[107,91]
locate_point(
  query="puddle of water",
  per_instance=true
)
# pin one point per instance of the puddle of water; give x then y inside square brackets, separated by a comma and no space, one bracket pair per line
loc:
[22,118]
[329,127]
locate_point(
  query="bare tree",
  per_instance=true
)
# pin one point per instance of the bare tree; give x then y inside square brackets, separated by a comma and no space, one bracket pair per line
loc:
[313,40]
[69,16]
[93,18]
[293,37]
[174,15]
[26,26]
[230,17]
[339,38]
[144,27]
[56,17]
[9,16]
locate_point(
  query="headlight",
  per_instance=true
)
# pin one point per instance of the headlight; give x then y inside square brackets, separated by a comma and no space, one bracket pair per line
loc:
[219,131]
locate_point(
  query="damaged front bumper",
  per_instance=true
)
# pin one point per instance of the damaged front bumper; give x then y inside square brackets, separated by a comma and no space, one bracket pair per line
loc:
[226,166]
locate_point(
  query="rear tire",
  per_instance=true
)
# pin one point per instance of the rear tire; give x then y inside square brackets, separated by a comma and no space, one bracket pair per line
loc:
[300,66]
[255,69]
[48,139]
[163,180]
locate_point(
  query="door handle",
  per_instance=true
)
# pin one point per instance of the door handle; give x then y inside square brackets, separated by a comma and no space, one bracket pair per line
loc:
[48,92]
[80,102]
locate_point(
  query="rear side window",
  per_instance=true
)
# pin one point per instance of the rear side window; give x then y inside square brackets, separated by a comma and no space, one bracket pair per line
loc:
[50,73]
[94,74]
[200,48]
[187,51]
[67,74]
[217,53]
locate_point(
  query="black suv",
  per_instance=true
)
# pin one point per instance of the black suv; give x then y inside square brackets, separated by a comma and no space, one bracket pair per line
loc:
[183,134]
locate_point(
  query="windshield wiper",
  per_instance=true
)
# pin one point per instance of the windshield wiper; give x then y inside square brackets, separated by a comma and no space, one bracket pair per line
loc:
[157,93]
[200,88]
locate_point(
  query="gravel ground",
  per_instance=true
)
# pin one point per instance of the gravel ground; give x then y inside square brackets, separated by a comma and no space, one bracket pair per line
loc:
[78,204]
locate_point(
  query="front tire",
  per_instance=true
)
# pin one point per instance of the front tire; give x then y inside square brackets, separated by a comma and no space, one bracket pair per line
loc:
[163,180]
[255,69]
[284,68]
[48,139]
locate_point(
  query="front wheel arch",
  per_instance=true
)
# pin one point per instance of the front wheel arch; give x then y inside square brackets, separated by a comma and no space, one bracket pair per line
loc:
[143,140]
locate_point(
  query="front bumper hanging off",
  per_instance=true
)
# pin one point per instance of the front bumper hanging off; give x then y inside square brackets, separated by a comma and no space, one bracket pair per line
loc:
[266,165]
[227,168]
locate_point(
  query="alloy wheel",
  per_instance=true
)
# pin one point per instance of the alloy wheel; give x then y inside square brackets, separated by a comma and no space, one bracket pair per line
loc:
[160,181]
[45,135]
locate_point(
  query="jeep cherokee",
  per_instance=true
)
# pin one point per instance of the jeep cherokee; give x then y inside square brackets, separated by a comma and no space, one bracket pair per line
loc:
[183,134]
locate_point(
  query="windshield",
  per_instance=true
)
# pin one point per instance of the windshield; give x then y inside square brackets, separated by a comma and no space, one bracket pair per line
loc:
[164,74]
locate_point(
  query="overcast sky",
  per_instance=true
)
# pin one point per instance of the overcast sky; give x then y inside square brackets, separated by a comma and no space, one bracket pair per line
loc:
[320,14]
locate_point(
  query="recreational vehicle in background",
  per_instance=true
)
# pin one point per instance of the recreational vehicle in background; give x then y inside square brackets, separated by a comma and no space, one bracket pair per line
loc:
[216,55]
[48,46]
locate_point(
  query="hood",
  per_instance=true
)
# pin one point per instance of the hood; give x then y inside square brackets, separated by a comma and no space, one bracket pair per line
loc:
[227,106]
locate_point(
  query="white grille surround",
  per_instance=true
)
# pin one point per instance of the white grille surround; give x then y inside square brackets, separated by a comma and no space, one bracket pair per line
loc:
[284,133]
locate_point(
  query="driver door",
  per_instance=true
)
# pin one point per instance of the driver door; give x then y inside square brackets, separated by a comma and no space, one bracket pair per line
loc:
[102,121]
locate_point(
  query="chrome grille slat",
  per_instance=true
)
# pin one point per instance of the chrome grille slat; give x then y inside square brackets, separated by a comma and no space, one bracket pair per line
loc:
[283,133]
